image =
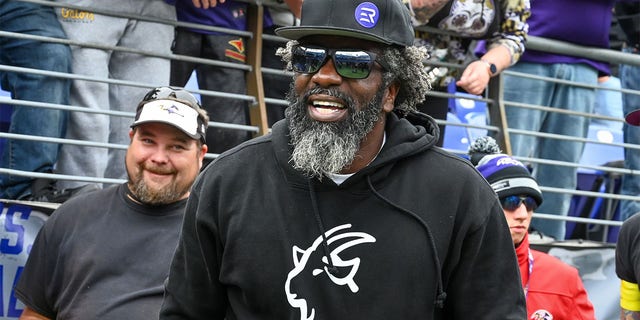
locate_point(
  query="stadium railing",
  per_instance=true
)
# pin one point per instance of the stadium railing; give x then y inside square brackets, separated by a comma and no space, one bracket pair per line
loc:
[495,105]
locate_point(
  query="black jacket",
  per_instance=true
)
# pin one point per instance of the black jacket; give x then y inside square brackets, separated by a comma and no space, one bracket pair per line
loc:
[252,244]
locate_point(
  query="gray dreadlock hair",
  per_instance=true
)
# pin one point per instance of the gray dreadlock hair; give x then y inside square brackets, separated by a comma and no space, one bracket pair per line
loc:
[405,66]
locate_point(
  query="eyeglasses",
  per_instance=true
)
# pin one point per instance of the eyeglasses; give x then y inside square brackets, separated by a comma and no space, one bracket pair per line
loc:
[168,92]
[352,64]
[512,203]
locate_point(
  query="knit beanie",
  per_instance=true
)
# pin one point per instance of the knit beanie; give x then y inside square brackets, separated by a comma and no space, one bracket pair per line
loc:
[506,175]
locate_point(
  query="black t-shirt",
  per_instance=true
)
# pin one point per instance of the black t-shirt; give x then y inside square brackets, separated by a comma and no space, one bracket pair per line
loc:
[628,250]
[101,256]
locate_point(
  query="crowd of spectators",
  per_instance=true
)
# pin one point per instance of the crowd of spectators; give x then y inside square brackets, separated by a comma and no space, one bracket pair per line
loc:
[36,20]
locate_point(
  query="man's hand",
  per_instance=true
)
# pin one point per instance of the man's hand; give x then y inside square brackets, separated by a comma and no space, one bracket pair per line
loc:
[475,77]
[629,315]
[206,4]
[295,6]
[29,314]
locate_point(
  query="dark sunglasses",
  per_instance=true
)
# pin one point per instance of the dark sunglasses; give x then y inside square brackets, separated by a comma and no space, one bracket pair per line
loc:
[512,203]
[171,93]
[349,63]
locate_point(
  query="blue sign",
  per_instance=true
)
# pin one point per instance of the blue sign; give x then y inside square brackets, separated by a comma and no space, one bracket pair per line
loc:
[19,225]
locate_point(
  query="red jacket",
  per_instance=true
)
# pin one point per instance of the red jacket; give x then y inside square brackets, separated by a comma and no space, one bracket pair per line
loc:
[553,288]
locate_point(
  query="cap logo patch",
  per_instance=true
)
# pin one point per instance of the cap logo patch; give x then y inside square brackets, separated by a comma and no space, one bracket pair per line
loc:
[541,315]
[367,15]
[508,161]
[171,112]
[501,185]
[172,109]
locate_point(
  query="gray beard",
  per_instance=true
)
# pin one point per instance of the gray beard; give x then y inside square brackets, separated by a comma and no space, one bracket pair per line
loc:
[328,147]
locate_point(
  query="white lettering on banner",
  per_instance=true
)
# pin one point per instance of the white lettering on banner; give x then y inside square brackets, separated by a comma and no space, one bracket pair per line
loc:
[19,225]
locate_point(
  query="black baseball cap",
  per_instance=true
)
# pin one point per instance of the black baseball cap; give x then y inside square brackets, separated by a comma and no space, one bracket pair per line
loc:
[383,21]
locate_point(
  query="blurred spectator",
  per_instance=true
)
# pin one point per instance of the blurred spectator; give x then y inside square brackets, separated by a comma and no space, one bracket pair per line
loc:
[451,25]
[106,254]
[230,14]
[86,26]
[569,25]
[628,15]
[628,267]
[32,19]
[553,288]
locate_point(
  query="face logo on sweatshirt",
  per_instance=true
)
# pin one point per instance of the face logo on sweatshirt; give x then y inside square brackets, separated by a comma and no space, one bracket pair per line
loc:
[312,261]
[541,315]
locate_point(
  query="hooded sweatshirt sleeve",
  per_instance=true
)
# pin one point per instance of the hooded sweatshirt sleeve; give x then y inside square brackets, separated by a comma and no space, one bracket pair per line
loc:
[482,266]
[193,290]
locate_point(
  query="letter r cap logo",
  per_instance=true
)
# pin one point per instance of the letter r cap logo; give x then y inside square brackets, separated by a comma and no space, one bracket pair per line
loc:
[367,15]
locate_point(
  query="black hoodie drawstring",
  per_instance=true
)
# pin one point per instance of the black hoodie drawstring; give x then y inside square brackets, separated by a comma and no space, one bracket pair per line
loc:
[441,295]
[325,246]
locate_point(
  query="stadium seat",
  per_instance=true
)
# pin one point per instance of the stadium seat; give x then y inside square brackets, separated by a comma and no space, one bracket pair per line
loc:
[455,137]
[597,154]
[464,110]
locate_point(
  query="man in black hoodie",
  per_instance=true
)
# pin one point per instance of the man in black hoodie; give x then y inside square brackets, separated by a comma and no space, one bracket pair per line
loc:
[346,210]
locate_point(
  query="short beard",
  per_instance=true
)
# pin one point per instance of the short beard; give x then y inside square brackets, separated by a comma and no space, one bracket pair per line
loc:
[168,194]
[328,147]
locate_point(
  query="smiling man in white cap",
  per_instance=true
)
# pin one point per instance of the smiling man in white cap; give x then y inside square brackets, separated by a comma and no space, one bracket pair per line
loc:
[106,254]
[346,210]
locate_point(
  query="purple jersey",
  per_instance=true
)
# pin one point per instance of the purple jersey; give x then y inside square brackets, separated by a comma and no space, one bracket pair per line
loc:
[229,14]
[581,22]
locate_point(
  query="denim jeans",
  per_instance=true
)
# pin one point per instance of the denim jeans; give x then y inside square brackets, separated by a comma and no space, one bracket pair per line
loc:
[630,79]
[27,18]
[559,96]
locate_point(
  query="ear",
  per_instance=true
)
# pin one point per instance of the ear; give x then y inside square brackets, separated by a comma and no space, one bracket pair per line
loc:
[389,99]
[130,134]
[201,153]
[203,150]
